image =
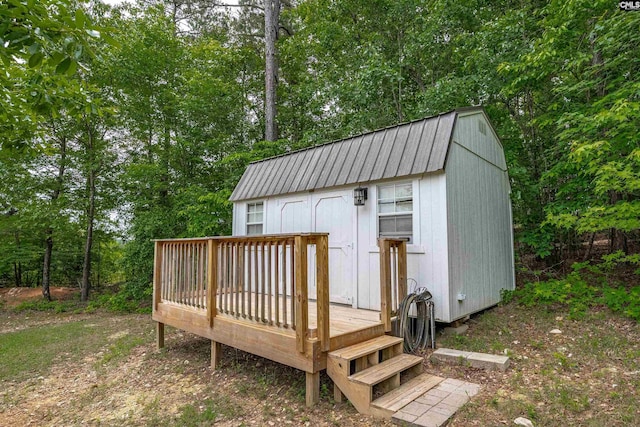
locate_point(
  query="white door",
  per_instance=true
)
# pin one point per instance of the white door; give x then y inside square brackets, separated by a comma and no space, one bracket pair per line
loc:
[333,213]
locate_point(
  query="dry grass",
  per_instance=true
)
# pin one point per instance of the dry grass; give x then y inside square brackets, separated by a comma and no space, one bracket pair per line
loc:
[589,375]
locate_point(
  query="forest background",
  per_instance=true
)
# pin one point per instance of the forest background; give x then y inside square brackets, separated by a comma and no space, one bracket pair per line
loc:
[124,123]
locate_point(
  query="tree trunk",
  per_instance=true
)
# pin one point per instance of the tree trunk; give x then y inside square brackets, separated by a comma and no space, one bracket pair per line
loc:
[86,266]
[271,22]
[617,238]
[164,164]
[17,272]
[46,264]
[91,209]
[17,265]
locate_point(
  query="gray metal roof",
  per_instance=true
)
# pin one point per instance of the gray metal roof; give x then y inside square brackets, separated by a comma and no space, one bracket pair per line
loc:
[407,149]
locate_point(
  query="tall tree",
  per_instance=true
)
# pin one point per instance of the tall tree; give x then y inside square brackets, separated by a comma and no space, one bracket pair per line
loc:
[59,136]
[271,30]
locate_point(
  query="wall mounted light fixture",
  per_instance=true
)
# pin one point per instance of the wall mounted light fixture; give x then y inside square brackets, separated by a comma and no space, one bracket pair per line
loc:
[359,196]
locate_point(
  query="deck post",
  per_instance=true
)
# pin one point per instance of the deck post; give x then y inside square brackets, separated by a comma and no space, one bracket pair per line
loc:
[322,289]
[160,334]
[312,393]
[337,394]
[301,293]
[212,282]
[216,352]
[402,271]
[385,283]
[157,275]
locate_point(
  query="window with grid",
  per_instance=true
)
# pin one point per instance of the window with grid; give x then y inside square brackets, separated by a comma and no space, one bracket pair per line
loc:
[395,211]
[255,215]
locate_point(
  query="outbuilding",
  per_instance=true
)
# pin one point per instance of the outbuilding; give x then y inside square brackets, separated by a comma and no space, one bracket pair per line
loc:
[441,183]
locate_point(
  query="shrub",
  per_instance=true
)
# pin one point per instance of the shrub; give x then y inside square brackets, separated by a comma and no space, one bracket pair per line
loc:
[587,285]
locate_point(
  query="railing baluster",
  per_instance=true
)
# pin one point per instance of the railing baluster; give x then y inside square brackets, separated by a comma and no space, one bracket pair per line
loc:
[394,277]
[263,282]
[176,274]
[239,293]
[183,273]
[256,279]
[187,282]
[292,292]
[169,282]
[223,274]
[285,320]
[228,276]
[194,283]
[198,277]
[277,281]
[249,281]
[232,274]
[183,295]
[231,270]
[268,282]
[179,274]
[163,271]
[254,291]
[204,278]
[205,267]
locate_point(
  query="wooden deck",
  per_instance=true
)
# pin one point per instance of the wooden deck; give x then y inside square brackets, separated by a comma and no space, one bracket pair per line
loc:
[251,293]
[342,319]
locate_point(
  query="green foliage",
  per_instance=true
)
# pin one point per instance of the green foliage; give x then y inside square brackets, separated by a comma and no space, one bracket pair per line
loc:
[588,285]
[44,305]
[164,117]
[129,299]
[506,296]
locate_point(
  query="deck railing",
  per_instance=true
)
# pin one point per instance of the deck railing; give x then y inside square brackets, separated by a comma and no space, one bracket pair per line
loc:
[258,279]
[393,278]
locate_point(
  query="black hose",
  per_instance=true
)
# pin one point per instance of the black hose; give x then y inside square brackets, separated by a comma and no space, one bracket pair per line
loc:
[416,334]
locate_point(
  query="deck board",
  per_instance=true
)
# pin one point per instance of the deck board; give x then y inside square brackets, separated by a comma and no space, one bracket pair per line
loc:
[342,319]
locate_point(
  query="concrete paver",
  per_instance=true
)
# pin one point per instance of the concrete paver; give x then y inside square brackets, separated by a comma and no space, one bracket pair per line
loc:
[476,360]
[436,406]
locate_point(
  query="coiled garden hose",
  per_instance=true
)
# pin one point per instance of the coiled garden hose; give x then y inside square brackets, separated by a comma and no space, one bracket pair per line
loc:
[418,334]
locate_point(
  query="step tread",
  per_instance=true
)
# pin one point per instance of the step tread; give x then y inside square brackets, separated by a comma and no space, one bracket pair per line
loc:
[382,371]
[364,348]
[397,399]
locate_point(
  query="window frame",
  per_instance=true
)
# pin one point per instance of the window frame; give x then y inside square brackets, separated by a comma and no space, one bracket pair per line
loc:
[248,223]
[395,214]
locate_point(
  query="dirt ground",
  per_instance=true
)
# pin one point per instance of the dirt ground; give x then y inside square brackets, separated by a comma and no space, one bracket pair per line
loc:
[14,296]
[143,386]
[587,375]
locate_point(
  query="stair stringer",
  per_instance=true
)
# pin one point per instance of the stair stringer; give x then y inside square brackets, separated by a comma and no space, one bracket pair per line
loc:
[360,395]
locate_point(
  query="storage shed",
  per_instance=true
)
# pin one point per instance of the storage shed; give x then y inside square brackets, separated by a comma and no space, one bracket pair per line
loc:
[440,182]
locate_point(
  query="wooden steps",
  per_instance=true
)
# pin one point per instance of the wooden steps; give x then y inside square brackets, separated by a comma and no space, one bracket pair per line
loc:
[385,370]
[397,399]
[364,348]
[378,369]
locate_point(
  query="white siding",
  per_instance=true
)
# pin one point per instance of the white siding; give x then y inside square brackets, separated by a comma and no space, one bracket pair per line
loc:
[479,220]
[427,256]
[434,272]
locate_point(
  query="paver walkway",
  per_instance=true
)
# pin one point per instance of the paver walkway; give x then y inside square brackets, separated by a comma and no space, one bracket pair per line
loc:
[436,406]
